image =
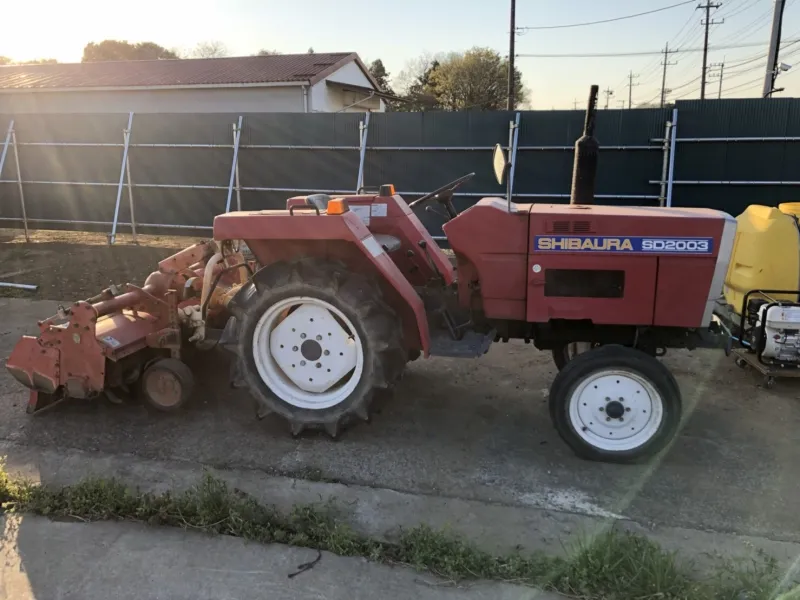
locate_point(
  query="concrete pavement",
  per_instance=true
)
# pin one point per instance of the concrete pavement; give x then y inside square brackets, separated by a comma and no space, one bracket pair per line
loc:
[469,432]
[47,560]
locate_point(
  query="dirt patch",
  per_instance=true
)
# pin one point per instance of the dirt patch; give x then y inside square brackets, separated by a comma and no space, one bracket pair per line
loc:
[73,265]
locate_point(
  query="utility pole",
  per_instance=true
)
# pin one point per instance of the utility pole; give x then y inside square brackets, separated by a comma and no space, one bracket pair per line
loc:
[774,47]
[575,104]
[665,64]
[608,92]
[631,85]
[707,22]
[717,74]
[511,35]
[622,103]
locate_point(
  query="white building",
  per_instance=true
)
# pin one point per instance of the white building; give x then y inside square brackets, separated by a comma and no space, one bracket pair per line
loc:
[333,82]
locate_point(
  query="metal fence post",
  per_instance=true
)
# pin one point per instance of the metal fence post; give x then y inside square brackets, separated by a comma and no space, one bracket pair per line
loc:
[236,137]
[236,132]
[130,190]
[662,196]
[19,184]
[672,146]
[514,144]
[363,132]
[126,134]
[5,146]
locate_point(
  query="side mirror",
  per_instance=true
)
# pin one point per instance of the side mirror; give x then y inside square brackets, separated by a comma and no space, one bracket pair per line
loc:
[499,164]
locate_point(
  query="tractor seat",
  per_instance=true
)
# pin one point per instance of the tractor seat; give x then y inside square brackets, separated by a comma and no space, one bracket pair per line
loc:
[318,200]
[387,242]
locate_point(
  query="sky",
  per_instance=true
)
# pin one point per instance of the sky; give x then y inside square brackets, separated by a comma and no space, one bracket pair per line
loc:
[397,32]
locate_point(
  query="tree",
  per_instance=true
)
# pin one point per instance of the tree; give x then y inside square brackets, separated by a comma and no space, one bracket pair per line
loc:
[311,50]
[415,83]
[122,50]
[37,61]
[210,49]
[4,60]
[473,80]
[378,71]
[476,79]
[264,52]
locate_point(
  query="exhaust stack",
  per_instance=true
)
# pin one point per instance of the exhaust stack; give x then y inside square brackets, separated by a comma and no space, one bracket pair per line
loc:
[584,169]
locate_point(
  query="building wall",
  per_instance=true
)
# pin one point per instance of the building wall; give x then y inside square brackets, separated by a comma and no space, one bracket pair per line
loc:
[215,100]
[325,98]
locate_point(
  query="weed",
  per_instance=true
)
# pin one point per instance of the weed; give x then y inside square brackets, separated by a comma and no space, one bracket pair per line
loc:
[613,565]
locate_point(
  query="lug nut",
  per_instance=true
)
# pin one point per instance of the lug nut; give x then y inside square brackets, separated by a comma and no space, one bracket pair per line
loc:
[302,336]
[319,338]
[319,365]
[621,399]
[628,409]
[302,363]
[326,353]
[608,418]
[608,399]
[294,348]
[602,409]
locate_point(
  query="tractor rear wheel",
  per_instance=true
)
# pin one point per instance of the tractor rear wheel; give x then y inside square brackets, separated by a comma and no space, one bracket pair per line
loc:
[615,404]
[316,342]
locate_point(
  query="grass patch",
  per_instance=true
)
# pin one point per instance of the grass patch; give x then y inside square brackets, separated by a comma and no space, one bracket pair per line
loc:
[612,566]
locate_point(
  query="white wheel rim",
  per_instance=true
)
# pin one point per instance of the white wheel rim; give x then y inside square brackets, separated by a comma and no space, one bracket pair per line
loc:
[616,410]
[311,357]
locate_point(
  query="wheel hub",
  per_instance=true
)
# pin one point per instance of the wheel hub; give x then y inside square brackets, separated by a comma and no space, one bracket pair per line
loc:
[616,410]
[307,352]
[311,350]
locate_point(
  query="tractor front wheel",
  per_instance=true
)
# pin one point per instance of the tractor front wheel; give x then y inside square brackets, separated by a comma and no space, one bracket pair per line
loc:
[316,342]
[615,404]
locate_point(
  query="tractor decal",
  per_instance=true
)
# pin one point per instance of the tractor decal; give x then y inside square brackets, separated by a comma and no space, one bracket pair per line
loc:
[660,245]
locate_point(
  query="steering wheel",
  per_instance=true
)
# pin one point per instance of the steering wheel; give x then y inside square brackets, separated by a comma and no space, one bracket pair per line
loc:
[444,195]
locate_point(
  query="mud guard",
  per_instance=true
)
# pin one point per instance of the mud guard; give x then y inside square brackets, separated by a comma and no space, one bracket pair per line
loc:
[265,233]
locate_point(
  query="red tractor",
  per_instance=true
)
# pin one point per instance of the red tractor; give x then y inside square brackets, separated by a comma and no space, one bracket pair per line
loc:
[343,292]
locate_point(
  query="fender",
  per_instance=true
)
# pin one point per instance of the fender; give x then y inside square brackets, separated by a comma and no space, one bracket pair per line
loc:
[277,235]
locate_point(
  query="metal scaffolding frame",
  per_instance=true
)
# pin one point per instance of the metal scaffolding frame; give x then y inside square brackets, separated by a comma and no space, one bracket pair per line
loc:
[667,146]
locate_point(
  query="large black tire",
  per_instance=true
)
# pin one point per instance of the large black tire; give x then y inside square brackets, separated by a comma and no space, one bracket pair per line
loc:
[618,359]
[359,298]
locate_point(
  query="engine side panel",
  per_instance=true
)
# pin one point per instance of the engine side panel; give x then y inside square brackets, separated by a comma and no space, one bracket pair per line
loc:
[626,265]
[491,246]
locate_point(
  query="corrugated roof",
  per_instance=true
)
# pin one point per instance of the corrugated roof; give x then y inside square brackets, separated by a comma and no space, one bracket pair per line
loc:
[278,68]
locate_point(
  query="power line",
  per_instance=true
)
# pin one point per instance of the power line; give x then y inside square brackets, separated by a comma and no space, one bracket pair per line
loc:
[643,53]
[641,14]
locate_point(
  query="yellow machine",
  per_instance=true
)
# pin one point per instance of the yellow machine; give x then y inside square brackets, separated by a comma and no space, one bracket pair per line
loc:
[765,259]
[766,252]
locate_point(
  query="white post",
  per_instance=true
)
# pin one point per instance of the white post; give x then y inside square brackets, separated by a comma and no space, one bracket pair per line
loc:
[363,133]
[130,193]
[126,134]
[662,196]
[19,184]
[672,146]
[5,146]
[236,137]
[236,132]
[514,144]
